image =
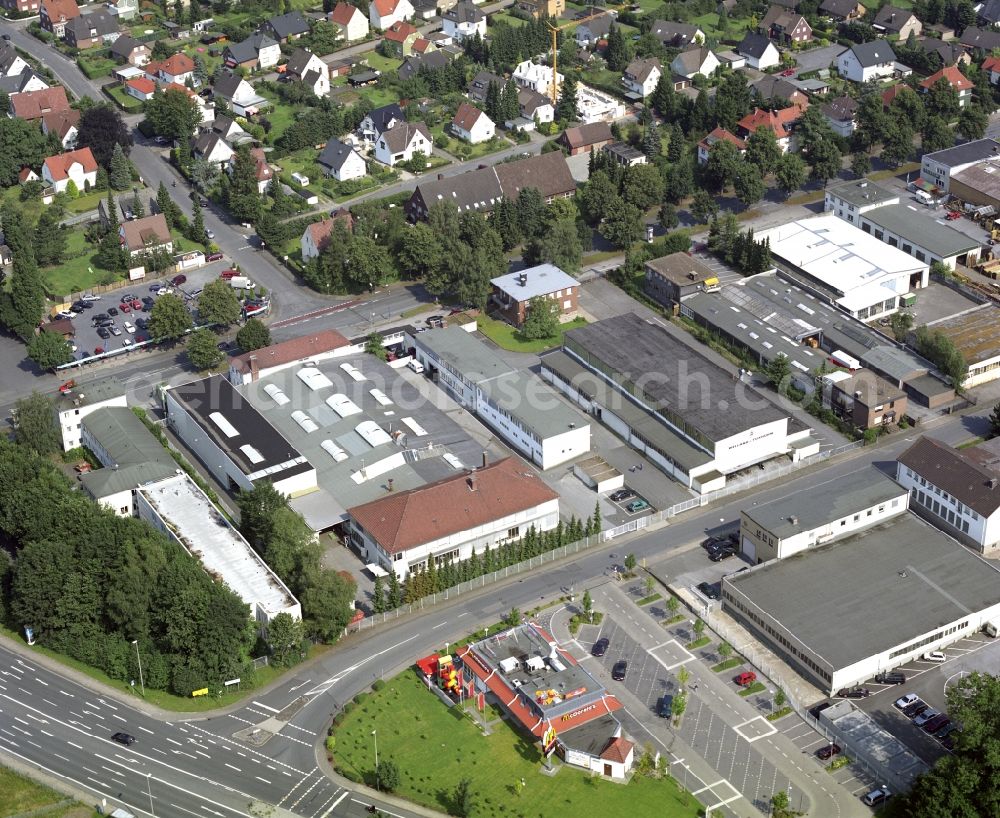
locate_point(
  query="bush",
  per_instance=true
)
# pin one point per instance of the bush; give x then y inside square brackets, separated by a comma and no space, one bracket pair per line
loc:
[377,685]
[360,698]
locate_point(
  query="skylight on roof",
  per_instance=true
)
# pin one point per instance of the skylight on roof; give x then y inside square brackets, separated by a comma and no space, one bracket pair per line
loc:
[313,378]
[253,455]
[380,397]
[343,405]
[276,394]
[373,434]
[306,422]
[334,450]
[227,428]
[353,372]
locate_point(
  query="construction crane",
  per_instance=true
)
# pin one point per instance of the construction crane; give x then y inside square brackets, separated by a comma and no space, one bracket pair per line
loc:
[554,30]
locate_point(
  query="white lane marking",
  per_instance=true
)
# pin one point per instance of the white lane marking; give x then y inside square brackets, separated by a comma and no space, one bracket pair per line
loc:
[71,744]
[439,625]
[40,681]
[146,730]
[265,707]
[233,767]
[262,779]
[343,795]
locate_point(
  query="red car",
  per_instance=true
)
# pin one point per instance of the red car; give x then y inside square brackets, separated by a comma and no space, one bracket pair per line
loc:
[123,307]
[788,72]
[952,215]
[135,304]
[214,257]
[99,351]
[746,678]
[225,275]
[178,280]
[66,387]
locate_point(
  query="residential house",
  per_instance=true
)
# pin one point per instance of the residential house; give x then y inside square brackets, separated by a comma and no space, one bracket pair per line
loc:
[33,105]
[398,38]
[124,10]
[317,235]
[432,61]
[379,120]
[480,84]
[676,35]
[54,14]
[842,10]
[641,76]
[889,94]
[238,95]
[310,70]
[64,124]
[781,124]
[980,39]
[428,9]
[586,138]
[674,278]
[89,30]
[959,83]
[403,142]
[787,27]
[553,9]
[20,6]
[383,13]
[991,67]
[988,13]
[621,153]
[864,62]
[212,148]
[863,399]
[142,88]
[896,21]
[350,20]
[694,61]
[841,113]
[479,190]
[731,60]
[950,53]
[588,33]
[176,69]
[718,135]
[512,293]
[472,125]
[534,76]
[140,236]
[342,161]
[127,49]
[259,50]
[262,170]
[535,106]
[759,51]
[206,107]
[229,130]
[72,407]
[287,27]
[941,31]
[464,20]
[339,68]
[422,46]
[22,83]
[78,167]
[11,63]
[771,87]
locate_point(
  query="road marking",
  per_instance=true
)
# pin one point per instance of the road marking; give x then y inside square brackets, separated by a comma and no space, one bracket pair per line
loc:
[40,681]
[343,795]
[439,625]
[146,730]
[262,779]
[174,741]
[232,767]
[265,707]
[71,744]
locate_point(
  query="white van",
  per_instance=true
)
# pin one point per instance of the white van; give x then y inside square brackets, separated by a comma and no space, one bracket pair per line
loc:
[241,283]
[924,197]
[416,366]
[300,179]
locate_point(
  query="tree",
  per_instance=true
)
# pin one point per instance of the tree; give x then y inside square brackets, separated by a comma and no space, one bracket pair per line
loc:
[678,705]
[597,196]
[50,237]
[790,173]
[218,304]
[673,605]
[778,372]
[491,102]
[749,187]
[395,597]
[559,245]
[120,171]
[936,135]
[617,53]
[369,264]
[463,802]
[826,160]
[103,129]
[942,352]
[172,113]
[780,698]
[243,198]
[763,150]
[387,775]
[724,164]
[780,806]
[972,122]
[942,100]
[504,219]
[49,350]
[897,144]
[667,216]
[34,425]
[21,308]
[699,628]
[566,105]
[652,141]
[643,186]
[901,323]
[169,319]
[704,208]
[530,212]
[630,562]
[621,224]
[196,227]
[588,606]
[22,144]
[253,335]
[513,618]
[725,650]
[542,320]
[861,164]
[284,634]
[328,604]
[203,350]
[995,421]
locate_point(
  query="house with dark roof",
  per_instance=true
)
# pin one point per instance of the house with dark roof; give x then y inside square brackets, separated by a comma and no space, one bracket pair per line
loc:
[948,52]
[259,50]
[864,62]
[842,10]
[479,190]
[841,113]
[403,142]
[534,106]
[988,13]
[759,51]
[586,138]
[900,22]
[11,63]
[380,120]
[64,125]
[287,27]
[431,61]
[22,83]
[305,67]
[787,27]
[238,95]
[979,39]
[212,148]
[956,490]
[464,19]
[89,30]
[342,161]
[773,87]
[480,84]
[676,35]
[127,49]
[588,33]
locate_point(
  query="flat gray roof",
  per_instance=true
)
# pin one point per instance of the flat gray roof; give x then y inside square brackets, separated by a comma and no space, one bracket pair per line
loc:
[385,428]
[965,153]
[540,280]
[535,404]
[871,592]
[906,221]
[862,193]
[671,377]
[464,353]
[137,456]
[90,393]
[821,504]
[973,332]
[984,177]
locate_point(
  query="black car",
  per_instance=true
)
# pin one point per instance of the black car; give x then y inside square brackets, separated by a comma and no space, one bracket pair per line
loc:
[600,647]
[853,693]
[124,738]
[101,316]
[149,300]
[819,708]
[937,723]
[712,543]
[435,321]
[947,730]
[665,706]
[722,554]
[915,709]
[112,310]
[103,333]
[893,678]
[828,751]
[708,590]
[141,323]
[82,305]
[621,494]
[619,670]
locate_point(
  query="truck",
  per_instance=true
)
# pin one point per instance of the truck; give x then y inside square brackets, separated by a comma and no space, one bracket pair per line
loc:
[992,628]
[241,283]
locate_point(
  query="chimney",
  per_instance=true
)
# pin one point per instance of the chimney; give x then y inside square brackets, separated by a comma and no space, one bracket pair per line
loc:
[390,484]
[485,456]
[254,369]
[993,482]
[471,480]
[793,520]
[522,279]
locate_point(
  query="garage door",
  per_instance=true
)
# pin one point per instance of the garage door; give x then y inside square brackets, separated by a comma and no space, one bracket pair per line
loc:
[750,550]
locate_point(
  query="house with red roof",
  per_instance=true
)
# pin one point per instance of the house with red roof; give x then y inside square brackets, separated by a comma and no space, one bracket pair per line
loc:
[399,38]
[959,83]
[317,235]
[54,14]
[64,125]
[318,346]
[383,13]
[33,105]
[142,88]
[991,67]
[262,169]
[350,20]
[77,166]
[178,68]
[472,125]
[718,135]
[780,123]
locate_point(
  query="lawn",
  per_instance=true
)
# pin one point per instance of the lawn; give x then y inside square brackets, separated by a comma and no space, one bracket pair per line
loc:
[95,66]
[515,22]
[735,26]
[378,96]
[463,150]
[124,101]
[507,337]
[435,747]
[278,114]
[22,795]
[379,62]
[74,274]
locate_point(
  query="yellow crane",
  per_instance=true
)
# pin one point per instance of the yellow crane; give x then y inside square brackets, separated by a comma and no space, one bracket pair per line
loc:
[554,30]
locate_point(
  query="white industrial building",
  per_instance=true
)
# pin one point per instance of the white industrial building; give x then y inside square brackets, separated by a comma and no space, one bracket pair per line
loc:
[318,346]
[525,411]
[683,412]
[449,520]
[77,402]
[845,265]
[817,515]
[182,511]
[937,168]
[958,490]
[842,612]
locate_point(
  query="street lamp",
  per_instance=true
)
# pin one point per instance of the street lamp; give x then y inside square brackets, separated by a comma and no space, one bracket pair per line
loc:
[149,792]
[142,684]
[375,733]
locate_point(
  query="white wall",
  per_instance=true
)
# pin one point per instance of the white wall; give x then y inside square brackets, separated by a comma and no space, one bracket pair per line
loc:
[71,419]
[965,523]
[198,441]
[752,446]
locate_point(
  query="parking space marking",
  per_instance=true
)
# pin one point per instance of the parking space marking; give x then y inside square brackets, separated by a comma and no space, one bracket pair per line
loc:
[680,649]
[754,720]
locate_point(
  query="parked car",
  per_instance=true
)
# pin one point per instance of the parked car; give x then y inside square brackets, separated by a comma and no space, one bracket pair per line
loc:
[154,288]
[135,304]
[600,647]
[209,234]
[929,714]
[436,321]
[66,314]
[621,495]
[936,723]
[722,554]
[124,308]
[101,316]
[90,297]
[178,280]
[203,203]
[711,543]
[854,693]
[708,590]
[946,730]
[619,670]
[915,710]
[112,310]
[98,350]
[746,678]
[214,257]
[129,328]
[894,677]
[819,708]
[141,323]
[126,342]
[788,72]
[952,215]
[114,330]
[123,738]
[665,706]
[636,506]
[875,797]
[934,656]
[905,701]
[828,751]
[225,275]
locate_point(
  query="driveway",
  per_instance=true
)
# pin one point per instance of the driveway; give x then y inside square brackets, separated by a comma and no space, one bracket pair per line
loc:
[817,58]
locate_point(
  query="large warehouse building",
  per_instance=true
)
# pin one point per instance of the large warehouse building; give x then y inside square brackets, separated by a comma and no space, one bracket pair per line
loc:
[842,612]
[693,419]
[845,265]
[975,334]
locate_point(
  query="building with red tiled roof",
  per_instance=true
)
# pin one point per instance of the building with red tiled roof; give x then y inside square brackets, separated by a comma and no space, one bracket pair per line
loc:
[54,14]
[63,124]
[454,516]
[78,167]
[33,105]
[959,83]
[779,122]
[317,235]
[178,68]
[472,125]
[720,134]
[141,88]
[317,346]
[400,37]
[350,20]
[263,170]
[893,91]
[383,13]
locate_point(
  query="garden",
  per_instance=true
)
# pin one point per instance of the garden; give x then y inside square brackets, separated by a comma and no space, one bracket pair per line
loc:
[22,796]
